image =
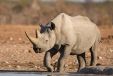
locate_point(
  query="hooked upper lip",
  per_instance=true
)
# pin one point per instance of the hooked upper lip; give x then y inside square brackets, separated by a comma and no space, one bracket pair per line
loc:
[37,50]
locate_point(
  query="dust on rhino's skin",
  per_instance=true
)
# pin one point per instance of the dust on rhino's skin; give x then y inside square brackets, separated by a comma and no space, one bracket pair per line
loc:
[67,35]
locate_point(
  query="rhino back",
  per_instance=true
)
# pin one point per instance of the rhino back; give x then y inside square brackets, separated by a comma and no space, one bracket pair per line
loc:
[77,31]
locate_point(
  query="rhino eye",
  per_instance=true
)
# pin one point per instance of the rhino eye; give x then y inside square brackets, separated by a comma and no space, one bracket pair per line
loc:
[46,40]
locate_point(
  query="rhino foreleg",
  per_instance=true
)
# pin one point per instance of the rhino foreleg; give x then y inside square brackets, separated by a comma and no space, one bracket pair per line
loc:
[47,60]
[64,52]
[81,60]
[48,56]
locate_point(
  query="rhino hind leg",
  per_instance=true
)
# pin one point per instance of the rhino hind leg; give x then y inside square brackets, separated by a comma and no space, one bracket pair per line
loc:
[81,60]
[93,51]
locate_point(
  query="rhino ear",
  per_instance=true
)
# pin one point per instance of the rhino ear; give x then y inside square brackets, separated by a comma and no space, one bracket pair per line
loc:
[52,26]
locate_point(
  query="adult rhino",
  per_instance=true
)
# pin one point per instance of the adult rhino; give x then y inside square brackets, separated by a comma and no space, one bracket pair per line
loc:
[68,36]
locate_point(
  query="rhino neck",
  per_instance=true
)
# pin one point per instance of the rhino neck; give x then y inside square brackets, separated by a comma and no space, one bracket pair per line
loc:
[52,39]
[57,32]
[57,35]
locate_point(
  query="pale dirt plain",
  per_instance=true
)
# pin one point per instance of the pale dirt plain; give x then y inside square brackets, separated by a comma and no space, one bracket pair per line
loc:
[16,51]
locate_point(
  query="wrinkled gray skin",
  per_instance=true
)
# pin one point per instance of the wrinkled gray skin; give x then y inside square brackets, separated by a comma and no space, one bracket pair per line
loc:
[68,36]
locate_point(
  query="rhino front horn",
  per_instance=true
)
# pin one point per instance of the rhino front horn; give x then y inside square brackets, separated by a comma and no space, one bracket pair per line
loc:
[31,39]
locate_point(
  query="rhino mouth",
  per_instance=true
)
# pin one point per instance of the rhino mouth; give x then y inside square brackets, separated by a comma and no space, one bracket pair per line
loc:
[37,50]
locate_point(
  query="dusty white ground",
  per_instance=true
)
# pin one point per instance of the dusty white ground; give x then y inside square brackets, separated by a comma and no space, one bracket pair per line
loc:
[16,51]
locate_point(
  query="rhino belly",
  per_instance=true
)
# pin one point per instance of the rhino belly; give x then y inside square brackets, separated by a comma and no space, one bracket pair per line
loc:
[83,46]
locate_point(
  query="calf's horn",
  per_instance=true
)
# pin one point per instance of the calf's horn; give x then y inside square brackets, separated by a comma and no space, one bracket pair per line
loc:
[31,39]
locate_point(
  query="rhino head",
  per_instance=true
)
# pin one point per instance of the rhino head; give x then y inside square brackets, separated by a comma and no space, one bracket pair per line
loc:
[45,38]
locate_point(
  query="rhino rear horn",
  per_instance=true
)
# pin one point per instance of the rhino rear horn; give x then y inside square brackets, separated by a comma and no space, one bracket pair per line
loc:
[36,33]
[31,39]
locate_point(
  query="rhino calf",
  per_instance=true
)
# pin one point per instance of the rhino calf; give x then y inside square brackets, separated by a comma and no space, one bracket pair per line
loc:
[68,36]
